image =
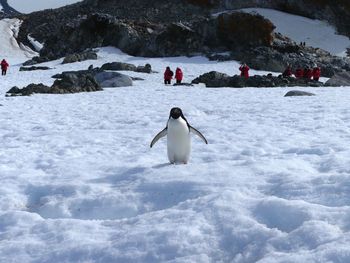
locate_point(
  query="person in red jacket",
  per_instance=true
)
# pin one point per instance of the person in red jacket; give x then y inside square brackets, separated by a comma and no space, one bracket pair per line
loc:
[4,66]
[316,73]
[244,70]
[299,73]
[178,75]
[307,73]
[168,75]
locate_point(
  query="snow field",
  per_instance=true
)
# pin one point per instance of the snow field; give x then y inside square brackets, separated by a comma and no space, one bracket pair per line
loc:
[80,183]
[314,33]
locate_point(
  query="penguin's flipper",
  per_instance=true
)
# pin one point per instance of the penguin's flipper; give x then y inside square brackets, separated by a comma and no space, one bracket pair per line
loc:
[159,135]
[198,133]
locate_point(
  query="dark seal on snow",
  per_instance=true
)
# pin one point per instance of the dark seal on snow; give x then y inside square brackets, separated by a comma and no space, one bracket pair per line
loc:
[293,93]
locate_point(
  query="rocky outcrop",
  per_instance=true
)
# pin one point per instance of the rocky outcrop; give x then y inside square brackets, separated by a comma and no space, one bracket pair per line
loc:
[284,52]
[73,83]
[103,78]
[113,79]
[28,90]
[34,68]
[77,57]
[177,39]
[294,93]
[69,83]
[7,10]
[36,60]
[339,79]
[237,28]
[215,79]
[184,27]
[336,13]
[153,38]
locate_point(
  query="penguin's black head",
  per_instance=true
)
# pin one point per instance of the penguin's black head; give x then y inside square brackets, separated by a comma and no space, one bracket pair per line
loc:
[175,113]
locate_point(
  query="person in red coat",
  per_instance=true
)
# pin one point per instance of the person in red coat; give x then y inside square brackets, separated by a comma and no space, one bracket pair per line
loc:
[178,75]
[4,66]
[244,70]
[168,75]
[299,73]
[316,73]
[308,73]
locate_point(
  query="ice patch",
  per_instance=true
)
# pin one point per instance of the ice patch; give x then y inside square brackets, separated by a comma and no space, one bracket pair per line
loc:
[36,44]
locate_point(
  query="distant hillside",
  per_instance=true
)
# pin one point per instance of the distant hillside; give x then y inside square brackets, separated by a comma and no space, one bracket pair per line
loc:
[336,12]
[184,27]
[8,11]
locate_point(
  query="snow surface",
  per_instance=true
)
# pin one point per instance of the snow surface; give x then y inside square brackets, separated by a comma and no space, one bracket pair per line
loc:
[36,44]
[314,33]
[79,182]
[9,48]
[29,6]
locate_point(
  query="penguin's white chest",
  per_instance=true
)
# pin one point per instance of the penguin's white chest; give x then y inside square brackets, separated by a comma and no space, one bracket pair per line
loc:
[178,141]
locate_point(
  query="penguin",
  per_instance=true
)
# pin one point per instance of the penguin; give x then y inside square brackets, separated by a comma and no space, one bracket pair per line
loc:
[178,132]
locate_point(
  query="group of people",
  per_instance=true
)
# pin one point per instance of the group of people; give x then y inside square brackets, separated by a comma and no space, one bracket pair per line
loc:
[4,67]
[168,75]
[306,73]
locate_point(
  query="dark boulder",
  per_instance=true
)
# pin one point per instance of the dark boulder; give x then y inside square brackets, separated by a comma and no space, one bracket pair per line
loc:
[29,90]
[36,60]
[215,79]
[76,57]
[339,79]
[73,83]
[294,93]
[239,29]
[177,39]
[69,83]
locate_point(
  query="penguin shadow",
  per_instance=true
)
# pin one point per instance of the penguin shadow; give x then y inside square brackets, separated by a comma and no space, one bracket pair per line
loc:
[161,165]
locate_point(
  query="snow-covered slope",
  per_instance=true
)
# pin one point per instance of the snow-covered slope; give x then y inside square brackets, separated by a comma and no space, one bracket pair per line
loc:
[9,48]
[79,182]
[314,33]
[29,6]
